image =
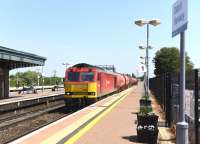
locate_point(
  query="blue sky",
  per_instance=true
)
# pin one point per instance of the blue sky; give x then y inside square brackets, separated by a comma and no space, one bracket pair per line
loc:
[96,32]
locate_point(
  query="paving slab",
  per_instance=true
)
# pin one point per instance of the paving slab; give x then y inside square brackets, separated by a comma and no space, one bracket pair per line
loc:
[118,126]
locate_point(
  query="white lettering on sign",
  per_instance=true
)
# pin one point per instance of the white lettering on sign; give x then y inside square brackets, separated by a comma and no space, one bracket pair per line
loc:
[179,17]
[177,8]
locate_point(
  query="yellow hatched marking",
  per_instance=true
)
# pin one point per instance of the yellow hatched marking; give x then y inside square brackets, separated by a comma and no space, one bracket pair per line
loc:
[66,131]
[73,139]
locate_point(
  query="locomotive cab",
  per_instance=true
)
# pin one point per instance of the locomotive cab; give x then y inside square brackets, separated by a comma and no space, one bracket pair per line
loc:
[80,83]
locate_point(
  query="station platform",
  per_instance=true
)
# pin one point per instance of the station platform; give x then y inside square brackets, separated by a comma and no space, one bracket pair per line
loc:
[20,101]
[109,121]
[15,97]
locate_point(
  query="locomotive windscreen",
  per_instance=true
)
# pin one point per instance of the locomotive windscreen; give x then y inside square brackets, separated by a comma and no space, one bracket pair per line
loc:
[74,76]
[87,76]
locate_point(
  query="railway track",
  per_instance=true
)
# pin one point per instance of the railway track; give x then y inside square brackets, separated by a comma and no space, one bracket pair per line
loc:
[18,121]
[14,127]
[17,125]
[12,119]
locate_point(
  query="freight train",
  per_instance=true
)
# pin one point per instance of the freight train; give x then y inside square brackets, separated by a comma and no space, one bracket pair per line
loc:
[85,84]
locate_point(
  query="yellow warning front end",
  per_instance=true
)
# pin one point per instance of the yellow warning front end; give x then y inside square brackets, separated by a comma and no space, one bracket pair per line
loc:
[80,90]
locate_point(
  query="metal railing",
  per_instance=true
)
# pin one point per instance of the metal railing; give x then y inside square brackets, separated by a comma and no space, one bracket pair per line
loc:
[166,90]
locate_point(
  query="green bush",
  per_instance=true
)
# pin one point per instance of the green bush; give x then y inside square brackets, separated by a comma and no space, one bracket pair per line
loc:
[145,97]
[145,109]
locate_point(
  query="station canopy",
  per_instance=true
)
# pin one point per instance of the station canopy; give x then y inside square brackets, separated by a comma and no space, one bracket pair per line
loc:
[11,59]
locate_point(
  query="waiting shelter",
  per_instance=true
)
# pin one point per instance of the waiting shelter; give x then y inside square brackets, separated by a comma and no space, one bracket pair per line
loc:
[11,59]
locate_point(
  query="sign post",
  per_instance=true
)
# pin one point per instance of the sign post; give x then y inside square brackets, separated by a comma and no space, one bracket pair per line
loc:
[179,25]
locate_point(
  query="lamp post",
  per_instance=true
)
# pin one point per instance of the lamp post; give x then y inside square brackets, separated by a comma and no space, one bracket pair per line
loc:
[17,81]
[54,76]
[146,74]
[42,78]
[38,77]
[142,23]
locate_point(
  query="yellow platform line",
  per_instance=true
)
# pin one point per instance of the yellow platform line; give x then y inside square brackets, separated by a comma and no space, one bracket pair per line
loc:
[74,138]
[66,131]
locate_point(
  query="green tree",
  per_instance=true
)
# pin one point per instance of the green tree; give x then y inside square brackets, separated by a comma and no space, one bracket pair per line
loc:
[29,78]
[167,60]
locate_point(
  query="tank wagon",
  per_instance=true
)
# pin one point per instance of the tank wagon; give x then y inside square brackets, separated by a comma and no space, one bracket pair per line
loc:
[85,83]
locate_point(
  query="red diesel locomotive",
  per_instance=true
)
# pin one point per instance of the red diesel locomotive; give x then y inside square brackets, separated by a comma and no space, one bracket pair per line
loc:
[85,83]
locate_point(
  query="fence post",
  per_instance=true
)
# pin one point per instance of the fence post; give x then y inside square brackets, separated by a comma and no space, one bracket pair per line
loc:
[168,99]
[196,112]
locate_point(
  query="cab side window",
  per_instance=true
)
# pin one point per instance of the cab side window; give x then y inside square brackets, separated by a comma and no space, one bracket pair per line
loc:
[99,76]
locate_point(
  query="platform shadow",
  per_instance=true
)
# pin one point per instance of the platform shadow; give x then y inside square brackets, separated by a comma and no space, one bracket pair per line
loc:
[134,113]
[18,96]
[98,106]
[132,138]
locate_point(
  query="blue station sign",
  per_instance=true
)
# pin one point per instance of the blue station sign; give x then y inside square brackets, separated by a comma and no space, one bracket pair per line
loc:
[179,17]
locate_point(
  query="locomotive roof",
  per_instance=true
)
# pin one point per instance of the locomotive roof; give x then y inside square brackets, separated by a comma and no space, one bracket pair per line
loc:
[85,65]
